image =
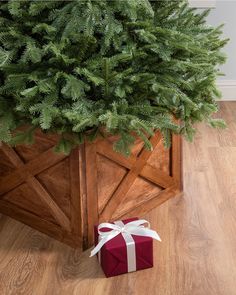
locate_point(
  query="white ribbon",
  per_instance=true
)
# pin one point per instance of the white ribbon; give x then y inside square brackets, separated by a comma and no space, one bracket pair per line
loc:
[135,227]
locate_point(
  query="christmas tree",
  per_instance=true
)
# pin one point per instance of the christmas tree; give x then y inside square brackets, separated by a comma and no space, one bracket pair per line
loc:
[84,68]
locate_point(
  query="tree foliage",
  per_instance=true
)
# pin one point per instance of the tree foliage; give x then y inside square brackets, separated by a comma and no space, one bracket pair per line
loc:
[128,67]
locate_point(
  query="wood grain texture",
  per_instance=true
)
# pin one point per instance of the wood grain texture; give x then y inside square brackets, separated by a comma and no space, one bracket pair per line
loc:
[64,196]
[196,257]
[42,162]
[36,186]
[76,199]
[138,167]
[91,189]
[121,191]
[41,189]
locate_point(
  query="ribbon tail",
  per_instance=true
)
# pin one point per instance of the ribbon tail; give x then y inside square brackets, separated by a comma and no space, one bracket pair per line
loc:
[154,235]
[145,232]
[103,241]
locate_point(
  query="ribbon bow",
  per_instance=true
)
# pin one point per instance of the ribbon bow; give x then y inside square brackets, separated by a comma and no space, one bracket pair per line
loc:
[135,227]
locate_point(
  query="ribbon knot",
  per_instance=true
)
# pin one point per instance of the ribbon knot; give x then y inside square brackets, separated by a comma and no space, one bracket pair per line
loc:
[123,230]
[135,227]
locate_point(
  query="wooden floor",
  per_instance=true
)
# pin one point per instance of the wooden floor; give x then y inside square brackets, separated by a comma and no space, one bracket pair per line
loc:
[196,257]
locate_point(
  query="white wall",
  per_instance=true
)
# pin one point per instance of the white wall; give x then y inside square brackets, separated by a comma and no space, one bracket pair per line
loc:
[224,11]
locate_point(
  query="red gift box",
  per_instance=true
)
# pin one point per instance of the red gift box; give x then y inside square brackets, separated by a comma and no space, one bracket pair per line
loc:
[113,255]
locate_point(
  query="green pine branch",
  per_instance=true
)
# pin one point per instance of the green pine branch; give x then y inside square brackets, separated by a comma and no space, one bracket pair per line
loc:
[129,67]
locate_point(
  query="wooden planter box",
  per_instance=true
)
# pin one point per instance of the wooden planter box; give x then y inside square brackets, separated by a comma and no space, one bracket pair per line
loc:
[64,196]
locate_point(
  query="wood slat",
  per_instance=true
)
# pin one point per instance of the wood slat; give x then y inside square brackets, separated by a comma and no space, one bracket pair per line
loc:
[156,176]
[46,199]
[106,149]
[176,160]
[36,166]
[38,223]
[36,186]
[144,208]
[83,196]
[76,218]
[121,191]
[91,189]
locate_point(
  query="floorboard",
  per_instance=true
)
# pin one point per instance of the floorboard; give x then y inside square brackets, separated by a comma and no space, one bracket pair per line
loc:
[197,255]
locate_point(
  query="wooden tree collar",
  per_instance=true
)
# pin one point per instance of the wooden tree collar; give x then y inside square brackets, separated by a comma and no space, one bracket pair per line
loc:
[64,196]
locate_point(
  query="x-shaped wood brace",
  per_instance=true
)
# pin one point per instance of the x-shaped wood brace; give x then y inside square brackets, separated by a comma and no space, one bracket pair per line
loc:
[137,166]
[26,173]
